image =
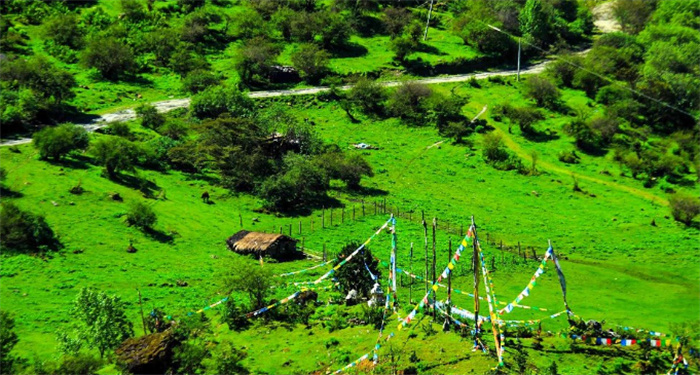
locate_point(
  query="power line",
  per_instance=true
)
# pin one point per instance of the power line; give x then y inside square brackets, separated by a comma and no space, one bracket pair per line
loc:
[593,73]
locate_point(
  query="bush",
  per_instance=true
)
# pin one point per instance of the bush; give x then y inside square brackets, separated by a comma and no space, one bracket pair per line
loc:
[402,47]
[587,138]
[175,129]
[150,118]
[254,281]
[569,157]
[369,95]
[544,92]
[8,340]
[183,61]
[256,59]
[78,364]
[311,61]
[525,117]
[684,208]
[199,80]
[407,100]
[119,129]
[483,37]
[23,231]
[302,185]
[234,315]
[353,274]
[64,30]
[395,20]
[115,154]
[217,100]
[56,142]
[109,56]
[141,216]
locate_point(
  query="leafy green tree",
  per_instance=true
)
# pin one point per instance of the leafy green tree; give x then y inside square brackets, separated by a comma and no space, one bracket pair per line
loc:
[99,321]
[254,281]
[149,115]
[406,102]
[109,56]
[536,21]
[3,175]
[493,148]
[369,95]
[633,14]
[133,10]
[198,80]
[353,274]
[41,76]
[141,216]
[115,154]
[25,231]
[544,92]
[311,61]
[119,129]
[228,358]
[587,138]
[303,27]
[334,30]
[395,20]
[482,37]
[256,59]
[8,340]
[402,47]
[302,184]
[64,30]
[217,100]
[55,142]
[684,208]
[348,169]
[185,60]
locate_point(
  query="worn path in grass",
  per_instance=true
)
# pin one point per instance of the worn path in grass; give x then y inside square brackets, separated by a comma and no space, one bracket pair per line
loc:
[169,105]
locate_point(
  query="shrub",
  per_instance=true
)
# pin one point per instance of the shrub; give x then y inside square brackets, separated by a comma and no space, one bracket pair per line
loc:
[543,91]
[684,208]
[8,340]
[569,157]
[254,281]
[402,47]
[115,154]
[354,275]
[493,148]
[119,129]
[227,359]
[141,216]
[175,129]
[149,115]
[198,80]
[525,117]
[234,315]
[217,100]
[334,30]
[56,142]
[78,364]
[183,60]
[368,95]
[302,184]
[483,37]
[311,61]
[395,20]
[587,138]
[24,231]
[407,100]
[64,30]
[109,56]
[256,59]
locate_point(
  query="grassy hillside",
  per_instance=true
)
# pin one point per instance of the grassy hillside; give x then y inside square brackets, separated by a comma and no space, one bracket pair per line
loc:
[619,267]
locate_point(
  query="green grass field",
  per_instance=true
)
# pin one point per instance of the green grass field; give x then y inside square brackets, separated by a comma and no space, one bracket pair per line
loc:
[619,268]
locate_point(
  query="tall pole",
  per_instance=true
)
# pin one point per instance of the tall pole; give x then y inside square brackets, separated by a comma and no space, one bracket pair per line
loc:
[475,266]
[518,59]
[449,288]
[410,279]
[425,238]
[434,262]
[427,23]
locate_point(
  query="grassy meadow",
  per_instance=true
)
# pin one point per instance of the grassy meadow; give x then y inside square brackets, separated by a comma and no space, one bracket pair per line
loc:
[619,267]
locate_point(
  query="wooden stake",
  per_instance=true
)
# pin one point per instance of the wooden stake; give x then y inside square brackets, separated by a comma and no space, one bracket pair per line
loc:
[449,287]
[290,229]
[434,262]
[353,213]
[240,220]
[323,218]
[375,207]
[324,251]
[363,207]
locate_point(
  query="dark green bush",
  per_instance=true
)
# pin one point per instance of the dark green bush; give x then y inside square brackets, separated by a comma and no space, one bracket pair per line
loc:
[198,80]
[23,231]
[149,115]
[684,208]
[141,216]
[56,142]
[115,154]
[369,95]
[109,56]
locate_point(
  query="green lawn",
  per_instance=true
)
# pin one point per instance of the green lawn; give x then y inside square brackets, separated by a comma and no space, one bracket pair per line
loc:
[619,267]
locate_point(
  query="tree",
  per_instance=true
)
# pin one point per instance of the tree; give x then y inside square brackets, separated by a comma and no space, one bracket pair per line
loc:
[348,169]
[149,115]
[402,47]
[684,208]
[199,80]
[311,61]
[8,340]
[536,21]
[301,185]
[369,95]
[141,216]
[109,56]
[184,60]
[354,274]
[484,38]
[54,142]
[39,75]
[227,359]
[217,100]
[256,59]
[64,30]
[24,231]
[334,30]
[115,154]
[633,14]
[99,321]
[544,92]
[587,138]
[255,281]
[493,148]
[406,102]
[395,20]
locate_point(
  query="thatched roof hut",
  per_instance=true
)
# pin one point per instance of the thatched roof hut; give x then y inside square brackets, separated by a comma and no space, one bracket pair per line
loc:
[277,246]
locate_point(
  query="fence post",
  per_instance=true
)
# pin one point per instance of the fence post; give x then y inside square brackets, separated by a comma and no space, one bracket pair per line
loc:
[290,229]
[375,207]
[280,229]
[324,251]
[240,220]
[534,255]
[353,213]
[363,207]
[323,217]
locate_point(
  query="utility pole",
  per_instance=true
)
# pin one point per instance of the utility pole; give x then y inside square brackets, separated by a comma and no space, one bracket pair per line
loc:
[427,24]
[449,289]
[475,266]
[425,237]
[519,59]
[434,261]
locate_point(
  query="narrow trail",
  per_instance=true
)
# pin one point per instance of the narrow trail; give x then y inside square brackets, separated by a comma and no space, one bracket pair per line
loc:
[169,105]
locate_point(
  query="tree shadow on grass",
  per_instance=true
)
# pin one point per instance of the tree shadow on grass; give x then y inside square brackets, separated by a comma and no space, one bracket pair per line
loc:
[350,50]
[74,162]
[8,193]
[364,191]
[159,236]
[368,26]
[541,136]
[141,184]
[452,362]
[427,48]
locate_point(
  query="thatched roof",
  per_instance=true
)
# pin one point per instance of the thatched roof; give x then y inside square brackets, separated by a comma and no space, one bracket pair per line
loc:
[255,241]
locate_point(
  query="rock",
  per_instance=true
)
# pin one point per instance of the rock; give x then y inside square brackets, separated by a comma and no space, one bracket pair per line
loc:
[78,251]
[535,193]
[71,203]
[54,203]
[131,249]
[181,283]
[150,354]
